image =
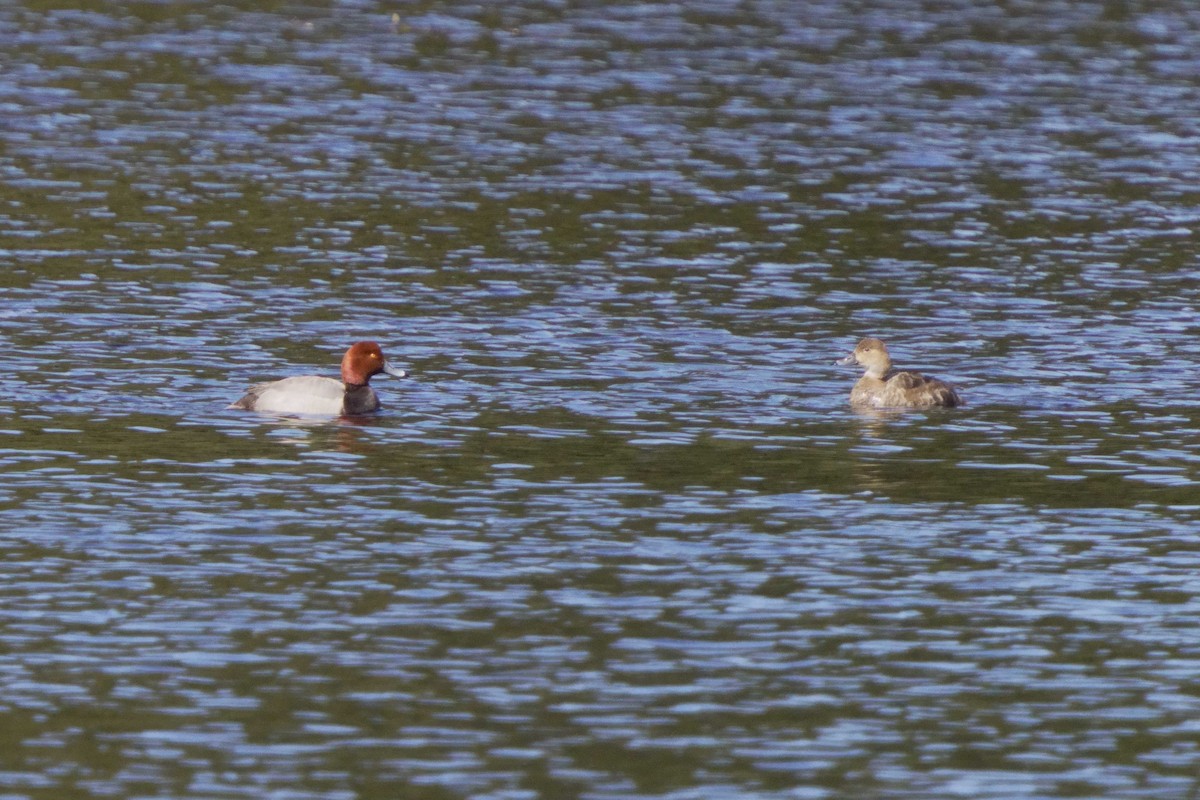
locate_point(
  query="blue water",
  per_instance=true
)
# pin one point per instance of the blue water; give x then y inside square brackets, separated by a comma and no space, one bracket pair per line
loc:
[620,535]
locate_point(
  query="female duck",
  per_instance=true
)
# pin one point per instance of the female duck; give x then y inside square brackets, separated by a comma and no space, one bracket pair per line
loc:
[883,387]
[312,394]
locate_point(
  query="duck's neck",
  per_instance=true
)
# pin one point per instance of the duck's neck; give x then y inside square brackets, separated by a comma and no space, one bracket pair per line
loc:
[879,371]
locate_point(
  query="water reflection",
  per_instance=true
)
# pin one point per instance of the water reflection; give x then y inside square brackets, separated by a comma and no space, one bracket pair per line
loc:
[621,535]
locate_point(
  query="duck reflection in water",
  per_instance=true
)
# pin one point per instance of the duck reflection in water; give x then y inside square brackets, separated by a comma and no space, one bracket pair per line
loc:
[882,387]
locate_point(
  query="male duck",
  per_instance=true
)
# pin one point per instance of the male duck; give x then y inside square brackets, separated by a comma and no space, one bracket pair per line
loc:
[312,394]
[883,387]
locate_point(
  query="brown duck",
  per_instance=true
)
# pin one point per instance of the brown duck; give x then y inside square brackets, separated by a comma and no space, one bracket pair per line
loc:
[881,386]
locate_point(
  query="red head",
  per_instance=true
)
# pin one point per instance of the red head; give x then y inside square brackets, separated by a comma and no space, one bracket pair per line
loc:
[363,360]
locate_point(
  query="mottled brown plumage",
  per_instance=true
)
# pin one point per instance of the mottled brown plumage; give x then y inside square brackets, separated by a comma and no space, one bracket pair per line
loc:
[881,386]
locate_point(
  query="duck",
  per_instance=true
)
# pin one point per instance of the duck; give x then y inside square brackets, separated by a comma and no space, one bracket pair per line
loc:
[881,386]
[317,395]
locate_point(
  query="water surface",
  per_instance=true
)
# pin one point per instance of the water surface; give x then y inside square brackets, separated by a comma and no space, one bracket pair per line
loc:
[620,535]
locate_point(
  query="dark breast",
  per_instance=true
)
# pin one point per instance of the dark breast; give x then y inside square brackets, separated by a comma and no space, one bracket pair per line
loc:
[360,400]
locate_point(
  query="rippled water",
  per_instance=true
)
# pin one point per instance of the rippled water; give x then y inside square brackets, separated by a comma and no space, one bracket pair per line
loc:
[620,535]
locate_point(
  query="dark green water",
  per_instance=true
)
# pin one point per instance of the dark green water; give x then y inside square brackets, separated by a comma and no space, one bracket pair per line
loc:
[620,535]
